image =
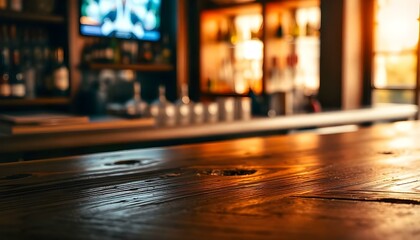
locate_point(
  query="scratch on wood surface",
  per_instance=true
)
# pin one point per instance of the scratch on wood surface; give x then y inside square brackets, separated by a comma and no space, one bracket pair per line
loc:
[357,198]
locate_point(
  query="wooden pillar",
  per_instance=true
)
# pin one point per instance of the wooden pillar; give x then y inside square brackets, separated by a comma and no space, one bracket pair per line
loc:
[331,54]
[367,48]
[182,44]
[193,9]
[75,45]
[346,54]
[352,55]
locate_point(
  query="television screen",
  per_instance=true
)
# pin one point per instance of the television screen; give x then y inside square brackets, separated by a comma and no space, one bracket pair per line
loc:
[126,19]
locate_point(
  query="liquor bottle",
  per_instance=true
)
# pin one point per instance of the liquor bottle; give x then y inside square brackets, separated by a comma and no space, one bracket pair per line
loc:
[162,110]
[260,32]
[258,103]
[46,78]
[146,55]
[60,74]
[17,81]
[14,40]
[126,52]
[274,76]
[137,107]
[5,88]
[116,48]
[166,50]
[184,106]
[109,51]
[39,62]
[99,97]
[312,104]
[232,32]
[220,33]
[294,26]
[28,64]
[134,50]
[198,114]
[279,30]
[4,36]
[30,79]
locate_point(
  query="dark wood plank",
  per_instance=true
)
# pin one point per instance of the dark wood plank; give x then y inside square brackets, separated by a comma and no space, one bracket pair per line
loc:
[49,101]
[354,185]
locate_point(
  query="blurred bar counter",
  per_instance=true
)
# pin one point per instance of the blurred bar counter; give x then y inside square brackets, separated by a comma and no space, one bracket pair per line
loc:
[129,134]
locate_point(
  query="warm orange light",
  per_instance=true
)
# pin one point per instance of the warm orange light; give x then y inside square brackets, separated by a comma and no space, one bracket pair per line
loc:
[397,26]
[248,54]
[246,24]
[396,37]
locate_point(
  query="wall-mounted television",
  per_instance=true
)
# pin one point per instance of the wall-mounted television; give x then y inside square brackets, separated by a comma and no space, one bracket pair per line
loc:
[125,19]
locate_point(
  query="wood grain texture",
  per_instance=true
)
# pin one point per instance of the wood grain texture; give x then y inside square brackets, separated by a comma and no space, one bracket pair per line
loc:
[355,185]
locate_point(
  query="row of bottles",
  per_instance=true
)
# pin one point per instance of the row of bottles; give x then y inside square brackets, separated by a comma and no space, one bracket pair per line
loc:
[270,51]
[29,66]
[292,22]
[186,112]
[297,22]
[236,66]
[111,50]
[236,29]
[292,68]
[162,110]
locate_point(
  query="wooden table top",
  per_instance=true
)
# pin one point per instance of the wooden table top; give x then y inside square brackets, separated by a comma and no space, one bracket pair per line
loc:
[355,185]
